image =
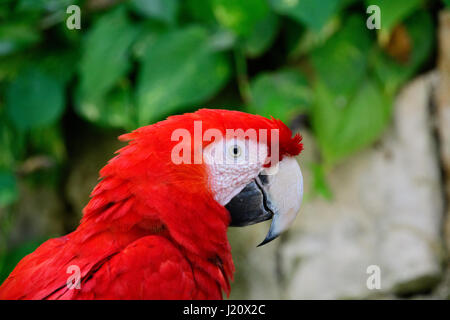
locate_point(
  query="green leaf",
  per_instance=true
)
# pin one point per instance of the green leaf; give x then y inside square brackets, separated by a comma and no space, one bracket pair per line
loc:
[342,61]
[34,99]
[200,10]
[12,143]
[222,40]
[149,33]
[16,36]
[262,36]
[61,64]
[8,188]
[319,181]
[179,69]
[49,140]
[393,74]
[115,109]
[11,65]
[280,94]
[240,16]
[164,10]
[394,11]
[342,130]
[47,5]
[301,42]
[313,13]
[105,59]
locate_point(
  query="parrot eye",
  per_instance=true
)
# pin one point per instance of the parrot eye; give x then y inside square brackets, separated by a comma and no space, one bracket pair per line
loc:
[235,151]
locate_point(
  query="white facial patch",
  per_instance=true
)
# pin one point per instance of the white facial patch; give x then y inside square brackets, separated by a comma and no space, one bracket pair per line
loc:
[232,164]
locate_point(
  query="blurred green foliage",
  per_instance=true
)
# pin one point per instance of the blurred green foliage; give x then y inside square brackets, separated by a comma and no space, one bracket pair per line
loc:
[135,62]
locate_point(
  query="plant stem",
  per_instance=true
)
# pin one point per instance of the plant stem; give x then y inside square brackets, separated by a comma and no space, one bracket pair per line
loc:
[241,74]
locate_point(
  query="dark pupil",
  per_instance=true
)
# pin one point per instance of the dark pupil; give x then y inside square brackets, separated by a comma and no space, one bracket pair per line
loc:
[235,150]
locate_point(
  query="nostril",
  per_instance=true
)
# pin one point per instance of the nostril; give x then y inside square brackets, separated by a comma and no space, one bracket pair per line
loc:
[263,178]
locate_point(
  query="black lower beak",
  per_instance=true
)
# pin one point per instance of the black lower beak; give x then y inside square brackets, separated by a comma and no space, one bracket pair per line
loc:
[250,206]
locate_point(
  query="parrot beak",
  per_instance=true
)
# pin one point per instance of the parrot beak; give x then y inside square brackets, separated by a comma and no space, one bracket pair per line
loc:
[277,197]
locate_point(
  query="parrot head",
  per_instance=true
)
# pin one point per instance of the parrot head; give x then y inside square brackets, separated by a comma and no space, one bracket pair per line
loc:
[192,176]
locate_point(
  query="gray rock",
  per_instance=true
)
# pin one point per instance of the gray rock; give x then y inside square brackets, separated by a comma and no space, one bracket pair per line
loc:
[256,274]
[387,210]
[442,99]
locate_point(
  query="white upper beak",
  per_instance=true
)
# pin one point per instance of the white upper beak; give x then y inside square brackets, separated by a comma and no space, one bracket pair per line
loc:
[285,192]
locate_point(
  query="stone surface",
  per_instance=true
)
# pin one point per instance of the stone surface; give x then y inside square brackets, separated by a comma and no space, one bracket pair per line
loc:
[387,210]
[257,275]
[442,99]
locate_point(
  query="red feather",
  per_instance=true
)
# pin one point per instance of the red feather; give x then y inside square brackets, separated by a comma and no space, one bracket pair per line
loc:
[152,229]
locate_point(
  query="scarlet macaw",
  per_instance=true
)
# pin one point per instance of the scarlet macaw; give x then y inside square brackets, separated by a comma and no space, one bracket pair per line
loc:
[155,228]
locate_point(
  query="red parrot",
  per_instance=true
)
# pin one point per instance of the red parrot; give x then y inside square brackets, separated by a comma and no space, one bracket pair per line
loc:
[156,224]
